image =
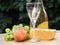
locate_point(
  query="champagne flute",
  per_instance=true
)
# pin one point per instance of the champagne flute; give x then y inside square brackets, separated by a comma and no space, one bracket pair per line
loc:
[33,10]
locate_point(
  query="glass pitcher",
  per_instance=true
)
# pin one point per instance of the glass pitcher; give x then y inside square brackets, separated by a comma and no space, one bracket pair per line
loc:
[42,21]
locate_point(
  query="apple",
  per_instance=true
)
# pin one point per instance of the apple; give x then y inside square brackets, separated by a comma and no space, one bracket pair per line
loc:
[20,35]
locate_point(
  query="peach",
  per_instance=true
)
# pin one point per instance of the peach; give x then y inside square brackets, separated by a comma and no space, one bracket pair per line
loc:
[20,35]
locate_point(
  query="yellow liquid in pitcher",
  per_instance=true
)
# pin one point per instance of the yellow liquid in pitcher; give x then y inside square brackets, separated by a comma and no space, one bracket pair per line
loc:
[43,25]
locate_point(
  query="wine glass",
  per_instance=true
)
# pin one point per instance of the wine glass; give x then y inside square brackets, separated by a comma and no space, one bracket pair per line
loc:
[33,10]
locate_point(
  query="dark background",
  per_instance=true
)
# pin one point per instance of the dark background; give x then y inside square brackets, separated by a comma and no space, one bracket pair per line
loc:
[13,12]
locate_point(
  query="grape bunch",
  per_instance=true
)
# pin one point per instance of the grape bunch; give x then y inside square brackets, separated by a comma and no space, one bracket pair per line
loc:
[10,32]
[8,35]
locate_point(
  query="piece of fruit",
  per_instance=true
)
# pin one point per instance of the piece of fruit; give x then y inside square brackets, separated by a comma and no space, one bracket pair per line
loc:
[43,25]
[20,25]
[11,32]
[7,30]
[20,35]
[14,28]
[7,37]
[11,36]
[26,28]
[43,34]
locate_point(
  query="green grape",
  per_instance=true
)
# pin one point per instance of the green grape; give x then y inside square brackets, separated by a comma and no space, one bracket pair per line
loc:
[14,28]
[7,37]
[10,32]
[20,25]
[26,28]
[7,30]
[11,36]
[10,39]
[17,27]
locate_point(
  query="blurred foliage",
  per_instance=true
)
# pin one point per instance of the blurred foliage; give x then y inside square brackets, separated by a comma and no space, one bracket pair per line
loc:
[9,4]
[13,12]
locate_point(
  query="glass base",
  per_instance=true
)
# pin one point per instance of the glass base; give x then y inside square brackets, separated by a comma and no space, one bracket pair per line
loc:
[33,40]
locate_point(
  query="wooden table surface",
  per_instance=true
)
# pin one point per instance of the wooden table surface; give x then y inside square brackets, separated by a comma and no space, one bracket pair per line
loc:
[56,41]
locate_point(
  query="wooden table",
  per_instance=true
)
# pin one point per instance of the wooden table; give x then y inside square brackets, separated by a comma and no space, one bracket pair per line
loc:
[56,41]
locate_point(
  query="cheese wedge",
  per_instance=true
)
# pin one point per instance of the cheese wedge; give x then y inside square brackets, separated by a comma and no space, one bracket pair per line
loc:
[43,34]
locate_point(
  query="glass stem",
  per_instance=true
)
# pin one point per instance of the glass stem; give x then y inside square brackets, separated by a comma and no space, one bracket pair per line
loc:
[33,23]
[33,26]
